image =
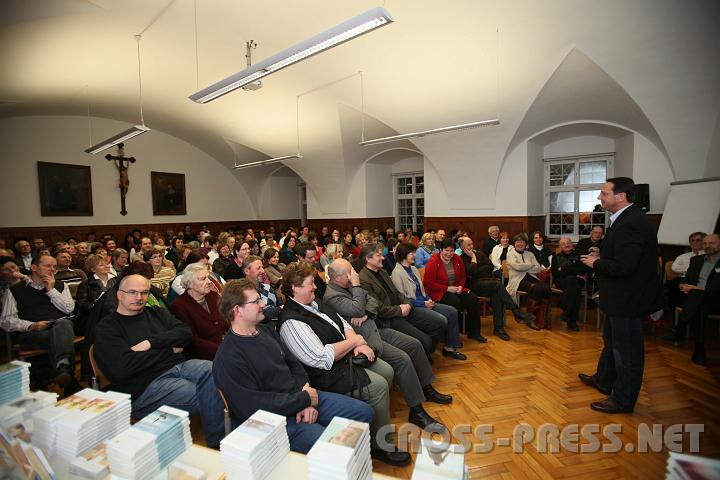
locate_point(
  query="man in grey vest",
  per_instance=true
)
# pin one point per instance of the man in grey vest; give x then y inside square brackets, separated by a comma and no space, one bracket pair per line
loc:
[37,311]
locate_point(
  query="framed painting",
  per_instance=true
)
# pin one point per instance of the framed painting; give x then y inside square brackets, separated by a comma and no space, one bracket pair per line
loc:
[65,190]
[168,193]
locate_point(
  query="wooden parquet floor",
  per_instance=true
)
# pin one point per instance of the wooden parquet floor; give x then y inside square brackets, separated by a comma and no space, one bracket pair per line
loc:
[532,379]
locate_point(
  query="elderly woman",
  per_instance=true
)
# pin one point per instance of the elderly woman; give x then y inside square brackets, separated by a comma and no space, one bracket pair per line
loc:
[273,267]
[119,260]
[499,253]
[425,250]
[445,283]
[406,278]
[162,275]
[523,268]
[198,307]
[323,344]
[176,287]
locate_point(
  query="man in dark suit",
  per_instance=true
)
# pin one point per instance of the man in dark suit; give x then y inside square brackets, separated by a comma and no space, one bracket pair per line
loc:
[629,289]
[701,288]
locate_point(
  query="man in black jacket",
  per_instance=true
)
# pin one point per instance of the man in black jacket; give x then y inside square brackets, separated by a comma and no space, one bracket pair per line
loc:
[629,289]
[140,348]
[701,288]
[482,283]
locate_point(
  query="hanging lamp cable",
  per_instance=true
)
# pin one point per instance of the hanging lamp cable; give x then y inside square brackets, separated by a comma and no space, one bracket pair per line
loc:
[140,98]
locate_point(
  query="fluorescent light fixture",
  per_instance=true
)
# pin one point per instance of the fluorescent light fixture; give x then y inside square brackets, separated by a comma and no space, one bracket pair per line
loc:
[269,161]
[349,29]
[119,138]
[453,128]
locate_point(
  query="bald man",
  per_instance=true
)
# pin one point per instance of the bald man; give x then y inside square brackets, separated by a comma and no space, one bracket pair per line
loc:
[140,350]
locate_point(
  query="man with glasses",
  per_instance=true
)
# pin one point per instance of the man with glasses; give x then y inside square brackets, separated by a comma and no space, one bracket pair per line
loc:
[255,272]
[680,267]
[37,311]
[139,348]
[255,371]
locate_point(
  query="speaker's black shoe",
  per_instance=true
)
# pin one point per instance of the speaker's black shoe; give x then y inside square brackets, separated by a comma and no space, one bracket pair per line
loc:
[453,354]
[589,380]
[502,334]
[479,338]
[432,395]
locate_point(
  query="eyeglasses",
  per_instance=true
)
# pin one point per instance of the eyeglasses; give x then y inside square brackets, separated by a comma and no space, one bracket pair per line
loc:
[696,239]
[256,301]
[135,293]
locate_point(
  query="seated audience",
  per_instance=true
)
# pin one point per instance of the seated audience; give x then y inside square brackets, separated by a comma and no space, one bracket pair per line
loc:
[332,251]
[255,272]
[403,353]
[222,260]
[36,310]
[163,274]
[313,240]
[24,255]
[177,288]
[523,268]
[273,267]
[71,277]
[425,250]
[481,282]
[389,253]
[324,344]
[439,237]
[99,281]
[119,260]
[146,246]
[406,279]
[254,370]
[542,253]
[680,266]
[701,287]
[499,254]
[198,307]
[287,253]
[234,269]
[305,253]
[492,241]
[393,308]
[594,240]
[139,349]
[173,253]
[444,282]
[568,274]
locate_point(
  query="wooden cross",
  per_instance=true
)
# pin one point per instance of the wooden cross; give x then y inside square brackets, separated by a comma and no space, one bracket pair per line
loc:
[122,163]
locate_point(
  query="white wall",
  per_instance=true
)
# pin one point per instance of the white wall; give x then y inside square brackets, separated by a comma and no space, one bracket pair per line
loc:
[378,190]
[280,198]
[579,146]
[650,167]
[212,191]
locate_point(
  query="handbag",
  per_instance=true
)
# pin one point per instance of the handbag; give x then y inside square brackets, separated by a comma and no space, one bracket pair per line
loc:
[544,276]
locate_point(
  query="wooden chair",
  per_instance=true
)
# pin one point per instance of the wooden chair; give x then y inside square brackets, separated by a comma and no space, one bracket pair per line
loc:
[678,311]
[227,418]
[321,274]
[23,352]
[98,381]
[506,275]
[669,274]
[421,271]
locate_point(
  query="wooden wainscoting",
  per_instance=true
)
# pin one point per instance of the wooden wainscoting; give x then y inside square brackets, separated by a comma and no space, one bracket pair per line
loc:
[477,227]
[347,224]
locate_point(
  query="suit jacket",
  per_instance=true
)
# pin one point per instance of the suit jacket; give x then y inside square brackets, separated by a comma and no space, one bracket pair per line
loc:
[628,267]
[693,274]
[369,282]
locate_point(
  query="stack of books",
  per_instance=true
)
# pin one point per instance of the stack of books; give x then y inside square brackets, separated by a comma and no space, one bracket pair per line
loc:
[691,467]
[83,420]
[342,451]
[21,460]
[91,464]
[439,462]
[15,416]
[14,380]
[148,447]
[256,447]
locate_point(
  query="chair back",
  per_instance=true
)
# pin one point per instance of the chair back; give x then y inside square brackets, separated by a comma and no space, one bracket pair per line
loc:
[506,271]
[227,419]
[99,380]
[669,274]
[421,271]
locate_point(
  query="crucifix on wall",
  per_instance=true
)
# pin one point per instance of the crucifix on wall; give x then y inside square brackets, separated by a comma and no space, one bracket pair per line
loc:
[122,163]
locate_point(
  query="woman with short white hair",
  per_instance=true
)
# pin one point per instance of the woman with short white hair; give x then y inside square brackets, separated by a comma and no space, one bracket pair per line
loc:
[198,307]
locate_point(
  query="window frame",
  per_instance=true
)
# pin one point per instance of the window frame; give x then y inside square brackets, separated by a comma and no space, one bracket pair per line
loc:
[414,196]
[575,188]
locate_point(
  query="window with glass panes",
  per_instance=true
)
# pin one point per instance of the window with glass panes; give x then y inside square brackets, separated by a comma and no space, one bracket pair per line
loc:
[409,202]
[572,185]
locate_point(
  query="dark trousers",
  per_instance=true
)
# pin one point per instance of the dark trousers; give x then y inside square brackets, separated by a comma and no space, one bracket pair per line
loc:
[572,291]
[620,367]
[697,306]
[537,289]
[57,339]
[500,299]
[416,329]
[469,301]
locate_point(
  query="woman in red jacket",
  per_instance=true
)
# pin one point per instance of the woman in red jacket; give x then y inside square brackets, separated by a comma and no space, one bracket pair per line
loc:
[445,283]
[198,307]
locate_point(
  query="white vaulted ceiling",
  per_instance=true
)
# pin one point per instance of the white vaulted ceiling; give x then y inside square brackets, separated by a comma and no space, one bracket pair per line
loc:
[441,63]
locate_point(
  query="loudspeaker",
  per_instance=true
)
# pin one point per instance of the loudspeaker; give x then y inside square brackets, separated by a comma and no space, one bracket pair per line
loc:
[642,196]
